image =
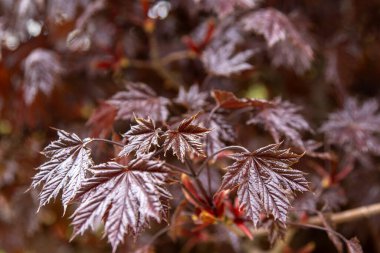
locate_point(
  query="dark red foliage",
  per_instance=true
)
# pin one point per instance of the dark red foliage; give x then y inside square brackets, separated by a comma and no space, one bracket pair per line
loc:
[265,181]
[186,139]
[188,126]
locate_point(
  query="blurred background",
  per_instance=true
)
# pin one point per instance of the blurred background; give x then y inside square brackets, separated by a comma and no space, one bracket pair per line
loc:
[59,59]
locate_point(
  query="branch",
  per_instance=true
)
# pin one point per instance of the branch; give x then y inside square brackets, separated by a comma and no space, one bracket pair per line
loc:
[338,218]
[217,152]
[349,215]
[158,66]
[177,56]
[106,141]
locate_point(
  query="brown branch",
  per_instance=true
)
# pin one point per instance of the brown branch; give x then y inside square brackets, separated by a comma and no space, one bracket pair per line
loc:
[139,64]
[157,65]
[338,218]
[349,215]
[177,56]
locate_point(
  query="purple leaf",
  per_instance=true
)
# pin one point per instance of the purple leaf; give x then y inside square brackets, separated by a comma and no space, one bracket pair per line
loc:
[287,46]
[42,69]
[141,137]
[186,139]
[282,119]
[354,246]
[265,181]
[228,100]
[221,131]
[223,61]
[193,99]
[355,128]
[69,163]
[140,100]
[125,198]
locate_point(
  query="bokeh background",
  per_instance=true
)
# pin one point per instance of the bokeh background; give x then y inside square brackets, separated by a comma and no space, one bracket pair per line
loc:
[60,58]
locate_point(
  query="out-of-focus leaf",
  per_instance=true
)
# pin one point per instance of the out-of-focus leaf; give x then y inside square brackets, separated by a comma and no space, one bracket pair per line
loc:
[355,128]
[61,11]
[78,40]
[139,100]
[193,99]
[286,44]
[102,120]
[41,71]
[223,61]
[228,100]
[354,246]
[221,131]
[282,119]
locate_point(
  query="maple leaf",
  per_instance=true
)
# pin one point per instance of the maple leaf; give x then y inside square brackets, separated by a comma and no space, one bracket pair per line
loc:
[140,100]
[192,99]
[287,45]
[265,181]
[69,163]
[355,128]
[141,137]
[228,100]
[186,139]
[221,60]
[282,119]
[102,120]
[41,71]
[125,197]
[222,131]
[342,57]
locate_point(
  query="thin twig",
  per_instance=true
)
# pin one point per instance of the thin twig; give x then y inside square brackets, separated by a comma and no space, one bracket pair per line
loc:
[349,215]
[338,218]
[139,64]
[217,152]
[157,64]
[177,56]
[106,141]
[178,169]
[198,182]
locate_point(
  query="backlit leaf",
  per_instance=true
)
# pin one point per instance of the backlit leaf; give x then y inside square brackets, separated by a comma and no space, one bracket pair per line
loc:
[228,100]
[193,99]
[69,162]
[42,69]
[223,61]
